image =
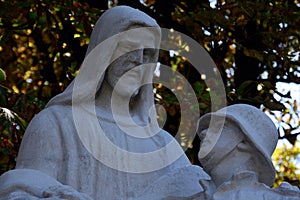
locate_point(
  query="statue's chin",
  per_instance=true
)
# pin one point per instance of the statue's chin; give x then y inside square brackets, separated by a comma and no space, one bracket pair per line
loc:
[127,93]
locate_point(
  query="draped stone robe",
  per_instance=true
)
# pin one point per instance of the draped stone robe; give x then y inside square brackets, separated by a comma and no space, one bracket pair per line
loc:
[53,162]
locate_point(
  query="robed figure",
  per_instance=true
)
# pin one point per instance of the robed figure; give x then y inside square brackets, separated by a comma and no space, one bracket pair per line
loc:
[99,139]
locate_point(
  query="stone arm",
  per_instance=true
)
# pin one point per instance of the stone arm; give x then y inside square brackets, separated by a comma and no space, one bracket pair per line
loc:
[28,184]
[289,191]
[173,185]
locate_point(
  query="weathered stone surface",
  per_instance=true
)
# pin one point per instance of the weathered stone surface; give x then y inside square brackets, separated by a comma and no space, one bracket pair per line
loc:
[236,151]
[60,156]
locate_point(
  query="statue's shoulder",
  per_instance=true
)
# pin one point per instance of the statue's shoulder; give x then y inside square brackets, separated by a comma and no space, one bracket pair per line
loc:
[52,115]
[49,121]
[53,112]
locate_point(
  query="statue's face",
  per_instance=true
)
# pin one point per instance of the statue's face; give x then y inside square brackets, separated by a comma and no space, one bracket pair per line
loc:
[128,62]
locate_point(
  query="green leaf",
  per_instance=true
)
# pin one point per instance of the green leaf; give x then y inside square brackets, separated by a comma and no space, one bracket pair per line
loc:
[21,122]
[245,87]
[2,75]
[13,117]
[42,20]
[199,87]
[274,105]
[33,15]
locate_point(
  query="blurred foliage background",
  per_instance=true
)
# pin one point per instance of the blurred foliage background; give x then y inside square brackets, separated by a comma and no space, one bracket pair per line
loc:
[255,45]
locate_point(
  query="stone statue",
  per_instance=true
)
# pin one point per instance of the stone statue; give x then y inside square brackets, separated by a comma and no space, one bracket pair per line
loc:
[238,157]
[59,157]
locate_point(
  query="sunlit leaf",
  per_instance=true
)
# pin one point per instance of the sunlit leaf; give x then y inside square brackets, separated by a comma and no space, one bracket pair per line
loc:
[2,75]
[274,105]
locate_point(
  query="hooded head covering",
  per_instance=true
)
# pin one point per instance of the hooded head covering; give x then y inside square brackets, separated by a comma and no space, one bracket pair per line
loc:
[113,22]
[254,126]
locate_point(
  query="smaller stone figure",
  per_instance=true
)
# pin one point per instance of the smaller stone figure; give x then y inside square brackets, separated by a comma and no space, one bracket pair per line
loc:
[238,156]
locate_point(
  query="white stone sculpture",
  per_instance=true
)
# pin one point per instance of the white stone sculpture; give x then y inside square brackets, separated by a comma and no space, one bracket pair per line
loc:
[238,156]
[60,158]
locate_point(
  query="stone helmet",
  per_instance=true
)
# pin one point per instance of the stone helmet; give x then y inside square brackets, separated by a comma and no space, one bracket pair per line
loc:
[257,128]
